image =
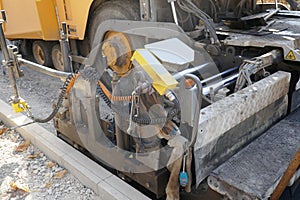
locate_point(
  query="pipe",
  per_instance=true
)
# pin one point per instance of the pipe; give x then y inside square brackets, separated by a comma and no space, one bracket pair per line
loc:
[12,73]
[174,12]
[3,44]
[276,4]
[65,48]
[271,14]
[9,61]
[205,81]
[42,69]
[122,138]
[206,89]
[181,74]
[198,107]
[222,83]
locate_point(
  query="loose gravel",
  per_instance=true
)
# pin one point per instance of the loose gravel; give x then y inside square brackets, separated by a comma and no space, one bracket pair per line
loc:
[36,176]
[39,91]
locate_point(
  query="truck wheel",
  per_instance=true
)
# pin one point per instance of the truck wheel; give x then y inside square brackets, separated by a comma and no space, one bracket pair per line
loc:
[42,53]
[114,9]
[57,58]
[116,46]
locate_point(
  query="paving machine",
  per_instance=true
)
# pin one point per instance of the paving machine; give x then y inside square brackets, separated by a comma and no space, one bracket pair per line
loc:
[166,99]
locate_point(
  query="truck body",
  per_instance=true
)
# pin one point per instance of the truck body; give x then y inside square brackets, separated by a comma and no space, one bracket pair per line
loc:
[41,19]
[166,92]
[39,23]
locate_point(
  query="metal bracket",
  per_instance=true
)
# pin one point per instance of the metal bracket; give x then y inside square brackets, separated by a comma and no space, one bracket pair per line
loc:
[253,66]
[65,48]
[9,61]
[198,107]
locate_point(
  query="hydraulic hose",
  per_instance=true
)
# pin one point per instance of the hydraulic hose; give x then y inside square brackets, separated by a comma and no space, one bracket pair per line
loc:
[68,84]
[189,7]
[108,94]
[152,121]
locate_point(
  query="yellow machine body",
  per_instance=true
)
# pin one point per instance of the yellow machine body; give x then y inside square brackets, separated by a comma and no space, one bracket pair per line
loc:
[40,19]
[162,80]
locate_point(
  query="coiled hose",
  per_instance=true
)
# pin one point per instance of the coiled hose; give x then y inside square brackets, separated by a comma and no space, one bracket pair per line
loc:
[108,97]
[152,121]
[68,84]
[103,96]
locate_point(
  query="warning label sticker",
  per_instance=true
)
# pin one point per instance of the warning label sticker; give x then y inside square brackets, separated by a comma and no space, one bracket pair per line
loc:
[290,56]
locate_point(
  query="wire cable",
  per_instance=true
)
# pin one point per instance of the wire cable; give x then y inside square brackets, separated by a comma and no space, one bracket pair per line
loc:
[190,7]
[68,84]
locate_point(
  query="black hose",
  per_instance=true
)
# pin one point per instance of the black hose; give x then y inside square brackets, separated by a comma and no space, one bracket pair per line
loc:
[152,121]
[104,97]
[190,7]
[146,120]
[149,121]
[61,96]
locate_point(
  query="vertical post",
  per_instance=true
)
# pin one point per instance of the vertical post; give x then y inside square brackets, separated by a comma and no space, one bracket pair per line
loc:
[65,49]
[148,10]
[276,4]
[2,38]
[8,61]
[121,137]
[198,107]
[174,11]
[145,10]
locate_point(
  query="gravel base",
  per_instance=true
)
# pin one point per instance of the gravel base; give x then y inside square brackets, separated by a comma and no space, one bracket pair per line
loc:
[38,174]
[39,91]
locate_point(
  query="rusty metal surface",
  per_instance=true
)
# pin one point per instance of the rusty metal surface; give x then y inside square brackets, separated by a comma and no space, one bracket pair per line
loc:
[229,124]
[249,173]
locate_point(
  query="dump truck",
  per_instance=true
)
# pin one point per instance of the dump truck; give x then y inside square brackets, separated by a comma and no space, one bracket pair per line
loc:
[180,97]
[37,25]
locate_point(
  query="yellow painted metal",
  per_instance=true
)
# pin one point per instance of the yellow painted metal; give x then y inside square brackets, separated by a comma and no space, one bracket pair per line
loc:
[37,19]
[75,13]
[162,80]
[31,19]
[20,106]
[48,20]
[117,49]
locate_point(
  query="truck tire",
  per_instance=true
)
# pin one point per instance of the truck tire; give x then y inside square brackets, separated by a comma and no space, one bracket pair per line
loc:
[116,46]
[42,53]
[57,58]
[114,9]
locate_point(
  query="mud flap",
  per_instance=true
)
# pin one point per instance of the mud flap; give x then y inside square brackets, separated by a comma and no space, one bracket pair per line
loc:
[229,124]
